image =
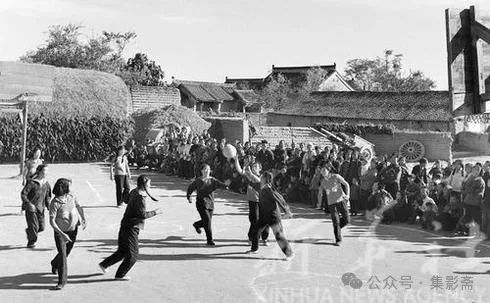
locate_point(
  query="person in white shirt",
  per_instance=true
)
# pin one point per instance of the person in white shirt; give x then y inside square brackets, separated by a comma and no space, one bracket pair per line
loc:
[121,174]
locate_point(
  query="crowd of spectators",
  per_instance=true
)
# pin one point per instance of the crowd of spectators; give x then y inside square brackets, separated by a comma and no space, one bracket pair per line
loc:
[451,196]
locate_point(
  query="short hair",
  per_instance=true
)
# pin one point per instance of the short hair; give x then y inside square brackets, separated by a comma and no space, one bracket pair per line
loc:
[267,177]
[61,187]
[423,161]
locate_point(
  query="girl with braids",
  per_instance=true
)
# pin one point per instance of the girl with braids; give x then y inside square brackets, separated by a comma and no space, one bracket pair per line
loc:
[35,197]
[205,186]
[133,220]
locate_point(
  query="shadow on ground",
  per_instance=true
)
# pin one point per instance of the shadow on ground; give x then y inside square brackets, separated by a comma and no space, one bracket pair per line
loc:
[46,281]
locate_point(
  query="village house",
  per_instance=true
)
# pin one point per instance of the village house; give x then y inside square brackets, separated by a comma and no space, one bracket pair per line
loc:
[217,97]
[419,111]
[296,75]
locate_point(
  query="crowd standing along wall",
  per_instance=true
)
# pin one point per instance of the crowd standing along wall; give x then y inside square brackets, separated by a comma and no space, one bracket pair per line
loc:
[437,144]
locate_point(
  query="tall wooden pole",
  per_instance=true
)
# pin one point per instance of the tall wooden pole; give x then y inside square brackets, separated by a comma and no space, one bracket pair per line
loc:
[24,138]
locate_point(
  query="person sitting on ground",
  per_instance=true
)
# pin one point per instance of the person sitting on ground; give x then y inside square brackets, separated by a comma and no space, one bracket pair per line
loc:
[377,202]
[429,209]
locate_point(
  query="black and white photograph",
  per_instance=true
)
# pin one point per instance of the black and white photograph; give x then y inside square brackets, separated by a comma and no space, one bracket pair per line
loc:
[255,151]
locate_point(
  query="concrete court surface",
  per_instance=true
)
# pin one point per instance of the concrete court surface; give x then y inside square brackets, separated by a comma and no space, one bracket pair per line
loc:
[391,263]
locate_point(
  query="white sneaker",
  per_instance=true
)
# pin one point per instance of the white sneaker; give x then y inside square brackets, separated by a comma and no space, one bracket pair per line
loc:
[103,269]
[125,278]
[252,252]
[289,258]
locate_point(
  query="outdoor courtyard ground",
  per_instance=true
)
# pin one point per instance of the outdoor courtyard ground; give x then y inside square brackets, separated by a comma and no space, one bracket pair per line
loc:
[405,263]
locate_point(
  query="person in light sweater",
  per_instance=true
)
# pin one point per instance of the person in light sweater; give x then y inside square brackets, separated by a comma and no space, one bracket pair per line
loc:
[121,174]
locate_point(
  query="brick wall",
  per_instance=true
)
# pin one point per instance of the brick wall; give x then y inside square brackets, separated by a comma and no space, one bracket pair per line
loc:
[153,96]
[437,145]
[274,134]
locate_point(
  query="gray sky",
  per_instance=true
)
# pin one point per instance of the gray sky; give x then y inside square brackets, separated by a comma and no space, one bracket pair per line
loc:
[211,39]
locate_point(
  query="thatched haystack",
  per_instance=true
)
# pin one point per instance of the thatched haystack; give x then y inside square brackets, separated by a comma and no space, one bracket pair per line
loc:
[164,116]
[87,93]
[74,92]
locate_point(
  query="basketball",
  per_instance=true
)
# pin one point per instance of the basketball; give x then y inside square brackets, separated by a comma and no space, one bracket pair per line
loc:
[229,151]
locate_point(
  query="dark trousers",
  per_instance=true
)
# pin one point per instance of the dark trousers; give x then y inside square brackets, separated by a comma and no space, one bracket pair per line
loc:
[122,188]
[35,225]
[127,250]
[64,248]
[253,217]
[277,229]
[392,188]
[364,196]
[485,227]
[205,222]
[340,218]
[472,213]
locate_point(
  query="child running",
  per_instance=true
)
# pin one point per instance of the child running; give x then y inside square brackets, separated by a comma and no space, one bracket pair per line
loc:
[333,184]
[252,175]
[205,186]
[35,197]
[65,215]
[133,220]
[269,216]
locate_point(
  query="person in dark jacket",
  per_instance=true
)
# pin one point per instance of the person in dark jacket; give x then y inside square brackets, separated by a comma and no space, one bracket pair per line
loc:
[35,197]
[485,206]
[390,176]
[420,171]
[473,191]
[270,216]
[205,186]
[280,154]
[265,156]
[131,223]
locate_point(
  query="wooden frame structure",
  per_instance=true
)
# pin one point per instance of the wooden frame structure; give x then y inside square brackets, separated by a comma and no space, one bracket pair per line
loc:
[20,106]
[21,84]
[468,49]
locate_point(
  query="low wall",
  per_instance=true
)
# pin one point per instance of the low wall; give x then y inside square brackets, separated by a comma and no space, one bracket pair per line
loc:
[474,141]
[437,145]
[230,128]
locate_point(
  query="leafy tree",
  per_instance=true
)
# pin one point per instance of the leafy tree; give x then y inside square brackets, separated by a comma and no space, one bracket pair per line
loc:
[141,71]
[276,94]
[385,74]
[64,47]
[280,92]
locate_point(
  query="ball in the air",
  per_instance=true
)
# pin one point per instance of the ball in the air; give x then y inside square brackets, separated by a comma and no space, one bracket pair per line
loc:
[229,151]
